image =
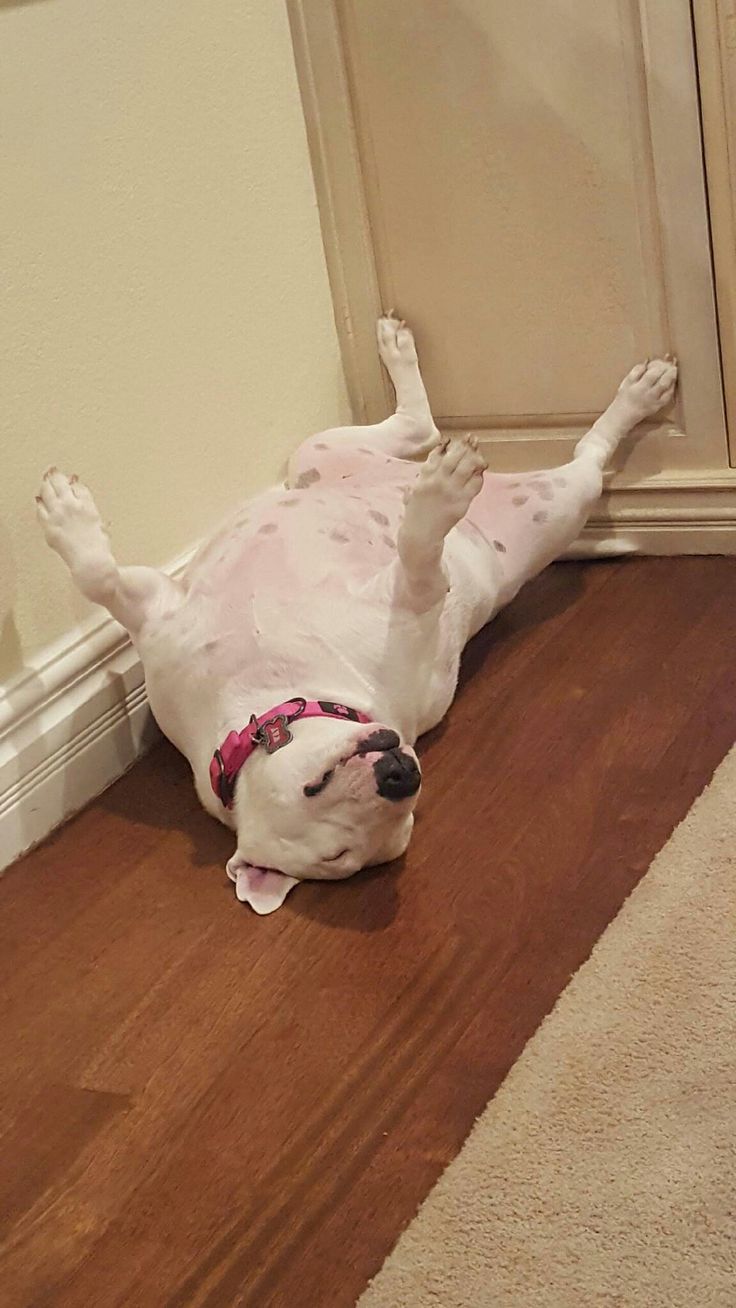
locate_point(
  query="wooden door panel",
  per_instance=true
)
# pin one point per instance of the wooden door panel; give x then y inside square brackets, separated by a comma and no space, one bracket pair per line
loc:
[524,183]
[505,199]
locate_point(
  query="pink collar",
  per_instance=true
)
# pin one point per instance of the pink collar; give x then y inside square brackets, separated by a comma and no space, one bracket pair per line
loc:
[271,731]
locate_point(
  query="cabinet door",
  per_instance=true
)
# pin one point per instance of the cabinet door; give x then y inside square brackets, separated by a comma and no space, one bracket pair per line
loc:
[523,182]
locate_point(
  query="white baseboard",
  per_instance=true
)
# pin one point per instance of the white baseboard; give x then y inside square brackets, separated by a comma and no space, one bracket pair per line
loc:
[667,514]
[71,723]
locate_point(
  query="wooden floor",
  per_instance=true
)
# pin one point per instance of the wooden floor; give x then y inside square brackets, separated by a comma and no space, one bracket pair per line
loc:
[201,1107]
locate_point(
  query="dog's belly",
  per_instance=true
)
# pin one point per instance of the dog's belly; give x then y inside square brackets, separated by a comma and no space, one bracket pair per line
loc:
[279,600]
[272,602]
[288,540]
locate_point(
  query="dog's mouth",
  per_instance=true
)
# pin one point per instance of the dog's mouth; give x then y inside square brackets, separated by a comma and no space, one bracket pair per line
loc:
[396,771]
[379,742]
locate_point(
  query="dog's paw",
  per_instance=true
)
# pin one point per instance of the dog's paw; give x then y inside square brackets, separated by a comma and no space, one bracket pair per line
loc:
[69,517]
[450,480]
[454,465]
[649,387]
[395,342]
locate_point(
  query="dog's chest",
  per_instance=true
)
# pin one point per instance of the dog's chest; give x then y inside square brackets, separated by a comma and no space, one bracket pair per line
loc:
[274,588]
[286,543]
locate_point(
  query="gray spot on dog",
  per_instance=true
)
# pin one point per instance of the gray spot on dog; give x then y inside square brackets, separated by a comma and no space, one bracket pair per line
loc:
[267,529]
[518,500]
[362,450]
[514,485]
[388,541]
[339,536]
[499,545]
[560,481]
[321,446]
[380,518]
[307,478]
[541,515]
[289,504]
[544,491]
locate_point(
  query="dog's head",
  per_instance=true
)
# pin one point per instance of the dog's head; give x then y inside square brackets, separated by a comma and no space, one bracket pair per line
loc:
[339,798]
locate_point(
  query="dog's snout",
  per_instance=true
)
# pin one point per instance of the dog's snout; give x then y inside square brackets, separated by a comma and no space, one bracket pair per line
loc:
[378,741]
[397,775]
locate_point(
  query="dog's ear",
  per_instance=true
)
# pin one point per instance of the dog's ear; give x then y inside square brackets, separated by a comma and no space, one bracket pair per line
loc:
[265,891]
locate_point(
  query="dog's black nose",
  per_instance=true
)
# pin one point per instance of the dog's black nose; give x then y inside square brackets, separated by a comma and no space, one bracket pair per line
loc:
[397,775]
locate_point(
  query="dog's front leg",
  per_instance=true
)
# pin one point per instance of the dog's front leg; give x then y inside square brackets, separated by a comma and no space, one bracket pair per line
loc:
[73,528]
[438,500]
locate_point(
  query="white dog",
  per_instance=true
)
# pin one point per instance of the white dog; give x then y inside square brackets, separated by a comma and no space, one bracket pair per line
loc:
[318,633]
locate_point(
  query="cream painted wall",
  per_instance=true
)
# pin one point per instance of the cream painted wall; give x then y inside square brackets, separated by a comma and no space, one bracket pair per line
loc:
[167,330]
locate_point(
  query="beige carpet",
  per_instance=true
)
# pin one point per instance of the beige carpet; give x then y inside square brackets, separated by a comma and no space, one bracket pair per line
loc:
[603,1173]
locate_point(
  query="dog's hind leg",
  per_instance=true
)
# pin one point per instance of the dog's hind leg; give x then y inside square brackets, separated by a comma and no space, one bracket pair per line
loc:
[73,528]
[409,433]
[413,424]
[533,518]
[647,389]
[439,499]
[644,391]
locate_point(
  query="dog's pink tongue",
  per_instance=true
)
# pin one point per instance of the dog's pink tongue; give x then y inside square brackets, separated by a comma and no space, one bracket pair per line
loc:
[264,890]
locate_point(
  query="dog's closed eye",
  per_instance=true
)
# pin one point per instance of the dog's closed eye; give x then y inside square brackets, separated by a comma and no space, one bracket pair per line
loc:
[334,857]
[315,787]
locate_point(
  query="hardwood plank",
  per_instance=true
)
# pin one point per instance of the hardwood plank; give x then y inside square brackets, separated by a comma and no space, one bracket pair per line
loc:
[41,1142]
[291,1087]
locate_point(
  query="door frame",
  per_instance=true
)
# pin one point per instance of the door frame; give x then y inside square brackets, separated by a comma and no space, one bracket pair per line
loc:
[714,24]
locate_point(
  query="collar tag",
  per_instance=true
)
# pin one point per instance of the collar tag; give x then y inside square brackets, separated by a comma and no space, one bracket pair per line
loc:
[273,734]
